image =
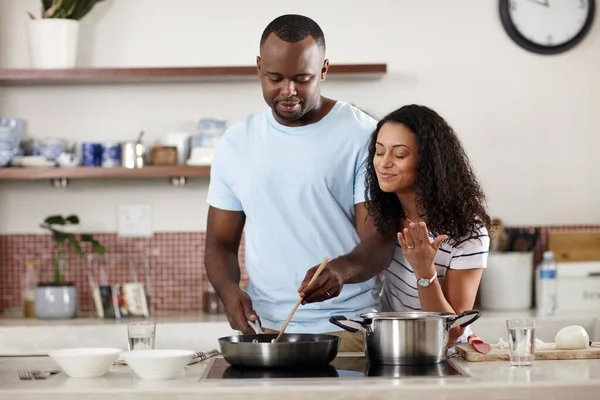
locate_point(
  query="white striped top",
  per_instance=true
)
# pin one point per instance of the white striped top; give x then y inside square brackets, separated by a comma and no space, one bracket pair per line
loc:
[400,284]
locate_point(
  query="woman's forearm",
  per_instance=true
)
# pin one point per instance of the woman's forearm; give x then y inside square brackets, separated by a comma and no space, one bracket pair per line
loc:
[433,300]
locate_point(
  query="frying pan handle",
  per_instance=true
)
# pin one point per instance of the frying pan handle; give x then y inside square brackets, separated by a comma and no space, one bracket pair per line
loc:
[463,319]
[336,320]
[256,326]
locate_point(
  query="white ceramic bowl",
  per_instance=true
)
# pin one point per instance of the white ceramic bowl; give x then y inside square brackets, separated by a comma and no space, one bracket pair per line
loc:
[91,362]
[157,364]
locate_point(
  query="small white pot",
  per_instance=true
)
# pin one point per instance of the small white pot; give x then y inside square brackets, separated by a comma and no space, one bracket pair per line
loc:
[55,300]
[507,282]
[53,43]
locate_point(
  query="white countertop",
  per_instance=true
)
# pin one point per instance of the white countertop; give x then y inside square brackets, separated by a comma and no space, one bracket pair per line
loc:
[579,379]
[36,337]
[201,317]
[198,331]
[88,319]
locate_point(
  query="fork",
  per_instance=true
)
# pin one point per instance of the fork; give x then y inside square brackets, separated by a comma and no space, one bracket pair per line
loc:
[24,375]
[27,374]
[201,356]
[37,374]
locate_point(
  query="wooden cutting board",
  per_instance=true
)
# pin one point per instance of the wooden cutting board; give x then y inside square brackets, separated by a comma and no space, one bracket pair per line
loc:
[575,245]
[498,354]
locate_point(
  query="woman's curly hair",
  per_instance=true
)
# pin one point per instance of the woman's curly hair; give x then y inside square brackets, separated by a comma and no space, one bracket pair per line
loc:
[446,187]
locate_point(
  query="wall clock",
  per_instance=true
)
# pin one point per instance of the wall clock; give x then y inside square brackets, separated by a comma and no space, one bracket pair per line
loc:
[547,26]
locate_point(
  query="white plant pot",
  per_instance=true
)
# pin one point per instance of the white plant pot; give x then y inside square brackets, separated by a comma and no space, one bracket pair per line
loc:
[53,43]
[55,300]
[507,282]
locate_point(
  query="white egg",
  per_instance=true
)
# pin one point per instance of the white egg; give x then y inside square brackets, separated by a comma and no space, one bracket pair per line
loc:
[572,337]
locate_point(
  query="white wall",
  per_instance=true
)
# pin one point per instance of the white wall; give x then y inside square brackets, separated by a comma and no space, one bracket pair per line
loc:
[528,122]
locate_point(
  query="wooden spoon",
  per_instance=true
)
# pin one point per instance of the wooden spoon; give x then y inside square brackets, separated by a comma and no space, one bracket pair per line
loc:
[315,276]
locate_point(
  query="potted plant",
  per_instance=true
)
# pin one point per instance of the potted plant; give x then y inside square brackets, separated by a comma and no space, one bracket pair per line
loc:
[53,38]
[58,298]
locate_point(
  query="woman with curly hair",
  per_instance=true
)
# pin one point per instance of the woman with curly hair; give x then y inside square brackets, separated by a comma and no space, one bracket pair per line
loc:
[422,188]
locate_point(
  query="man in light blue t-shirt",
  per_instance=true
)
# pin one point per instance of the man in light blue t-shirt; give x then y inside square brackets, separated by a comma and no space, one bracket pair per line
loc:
[293,177]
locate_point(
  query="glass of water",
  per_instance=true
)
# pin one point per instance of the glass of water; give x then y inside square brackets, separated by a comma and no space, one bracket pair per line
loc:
[141,335]
[521,341]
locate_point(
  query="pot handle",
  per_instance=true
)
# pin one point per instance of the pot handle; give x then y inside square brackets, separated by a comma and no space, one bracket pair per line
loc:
[336,320]
[463,319]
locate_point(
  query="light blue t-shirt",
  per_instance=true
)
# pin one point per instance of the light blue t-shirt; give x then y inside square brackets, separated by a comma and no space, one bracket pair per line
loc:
[297,187]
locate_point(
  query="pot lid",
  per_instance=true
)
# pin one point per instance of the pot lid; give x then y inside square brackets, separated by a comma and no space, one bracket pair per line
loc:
[405,315]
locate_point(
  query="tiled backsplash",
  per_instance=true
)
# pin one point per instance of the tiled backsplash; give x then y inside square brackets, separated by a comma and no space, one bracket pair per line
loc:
[175,260]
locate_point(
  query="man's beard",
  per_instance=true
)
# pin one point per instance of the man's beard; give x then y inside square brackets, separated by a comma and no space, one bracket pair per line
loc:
[289,118]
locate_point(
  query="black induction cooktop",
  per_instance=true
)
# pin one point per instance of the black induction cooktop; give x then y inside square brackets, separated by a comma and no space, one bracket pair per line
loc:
[341,367]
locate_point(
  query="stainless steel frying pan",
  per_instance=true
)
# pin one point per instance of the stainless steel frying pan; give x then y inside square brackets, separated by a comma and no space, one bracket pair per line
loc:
[293,350]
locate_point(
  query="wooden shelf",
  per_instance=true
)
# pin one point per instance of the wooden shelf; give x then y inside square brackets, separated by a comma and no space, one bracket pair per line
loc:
[164,74]
[22,173]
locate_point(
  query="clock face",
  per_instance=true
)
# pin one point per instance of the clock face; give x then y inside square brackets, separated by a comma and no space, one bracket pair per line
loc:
[547,26]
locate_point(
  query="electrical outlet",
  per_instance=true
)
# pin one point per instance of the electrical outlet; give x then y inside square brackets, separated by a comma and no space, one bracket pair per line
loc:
[135,220]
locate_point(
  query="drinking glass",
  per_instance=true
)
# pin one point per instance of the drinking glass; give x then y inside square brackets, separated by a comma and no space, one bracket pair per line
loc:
[141,335]
[521,340]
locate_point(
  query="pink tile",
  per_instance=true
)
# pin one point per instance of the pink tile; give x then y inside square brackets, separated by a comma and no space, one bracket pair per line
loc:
[176,263]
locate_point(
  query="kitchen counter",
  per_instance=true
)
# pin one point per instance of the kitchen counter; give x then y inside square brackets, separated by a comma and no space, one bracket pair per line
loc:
[36,337]
[578,379]
[199,317]
[198,331]
[91,319]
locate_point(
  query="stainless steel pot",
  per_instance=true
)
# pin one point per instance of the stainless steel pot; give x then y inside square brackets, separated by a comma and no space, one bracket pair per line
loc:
[292,350]
[407,338]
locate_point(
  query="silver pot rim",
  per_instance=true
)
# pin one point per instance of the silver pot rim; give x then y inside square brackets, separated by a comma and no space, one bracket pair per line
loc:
[410,315]
[449,319]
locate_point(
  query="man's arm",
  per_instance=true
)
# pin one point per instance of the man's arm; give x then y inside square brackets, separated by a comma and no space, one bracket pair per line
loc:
[371,256]
[223,235]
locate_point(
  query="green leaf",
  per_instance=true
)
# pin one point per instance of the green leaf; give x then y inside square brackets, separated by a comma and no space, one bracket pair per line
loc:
[68,6]
[55,220]
[72,219]
[83,7]
[75,243]
[86,237]
[96,246]
[46,4]
[53,9]
[58,236]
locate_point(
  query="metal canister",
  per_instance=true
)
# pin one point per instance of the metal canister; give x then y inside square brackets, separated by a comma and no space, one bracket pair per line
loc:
[132,155]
